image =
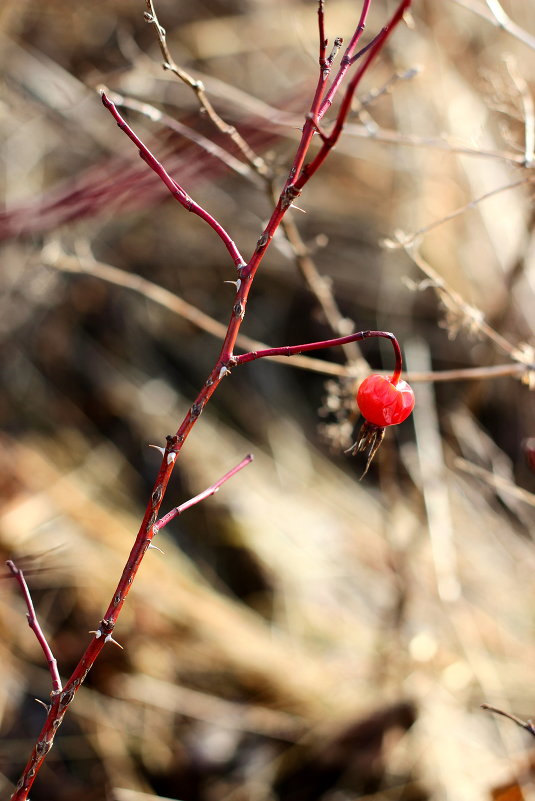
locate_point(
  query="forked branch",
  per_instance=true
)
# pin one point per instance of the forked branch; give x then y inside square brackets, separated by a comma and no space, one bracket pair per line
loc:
[298,176]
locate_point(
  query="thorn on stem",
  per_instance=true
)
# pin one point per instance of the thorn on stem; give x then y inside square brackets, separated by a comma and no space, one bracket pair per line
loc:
[46,706]
[109,638]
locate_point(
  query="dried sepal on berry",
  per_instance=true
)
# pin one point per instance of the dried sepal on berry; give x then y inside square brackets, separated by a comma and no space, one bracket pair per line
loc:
[369,441]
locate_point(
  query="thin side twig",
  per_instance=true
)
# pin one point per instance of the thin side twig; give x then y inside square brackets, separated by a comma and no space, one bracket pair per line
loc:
[208,145]
[178,510]
[33,623]
[176,190]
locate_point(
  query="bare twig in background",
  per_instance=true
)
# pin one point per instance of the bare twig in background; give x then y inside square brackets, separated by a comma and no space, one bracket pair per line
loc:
[494,13]
[432,474]
[54,256]
[446,144]
[210,147]
[527,725]
[198,87]
[463,315]
[124,794]
[527,108]
[494,480]
[413,238]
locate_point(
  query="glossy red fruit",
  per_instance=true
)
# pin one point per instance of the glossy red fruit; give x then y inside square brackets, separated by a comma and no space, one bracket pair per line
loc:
[383,403]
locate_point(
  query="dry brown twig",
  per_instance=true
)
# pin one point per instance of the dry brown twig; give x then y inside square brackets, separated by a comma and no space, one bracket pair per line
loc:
[493,12]
[528,113]
[198,87]
[414,238]
[54,256]
[494,480]
[460,314]
[524,724]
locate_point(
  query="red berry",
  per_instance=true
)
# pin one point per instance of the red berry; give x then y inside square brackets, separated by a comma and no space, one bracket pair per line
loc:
[383,403]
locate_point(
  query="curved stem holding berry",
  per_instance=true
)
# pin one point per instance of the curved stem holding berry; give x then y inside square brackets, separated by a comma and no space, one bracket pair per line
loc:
[383,401]
[294,350]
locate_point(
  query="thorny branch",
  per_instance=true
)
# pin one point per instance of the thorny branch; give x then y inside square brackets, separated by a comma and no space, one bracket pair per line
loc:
[176,190]
[60,696]
[299,174]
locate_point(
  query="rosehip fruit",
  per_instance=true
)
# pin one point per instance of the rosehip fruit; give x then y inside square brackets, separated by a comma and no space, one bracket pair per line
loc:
[383,403]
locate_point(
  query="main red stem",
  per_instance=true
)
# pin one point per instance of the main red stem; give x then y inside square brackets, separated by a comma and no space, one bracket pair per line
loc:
[300,173]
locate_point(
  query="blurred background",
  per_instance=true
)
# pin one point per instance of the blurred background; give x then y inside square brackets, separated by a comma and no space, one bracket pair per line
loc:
[306,636]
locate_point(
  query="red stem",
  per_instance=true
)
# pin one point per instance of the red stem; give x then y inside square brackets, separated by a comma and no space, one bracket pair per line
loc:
[294,350]
[347,60]
[178,510]
[33,623]
[321,31]
[60,699]
[176,190]
[330,141]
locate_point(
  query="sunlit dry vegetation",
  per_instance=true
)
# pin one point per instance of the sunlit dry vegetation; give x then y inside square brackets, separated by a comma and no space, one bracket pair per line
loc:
[305,636]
